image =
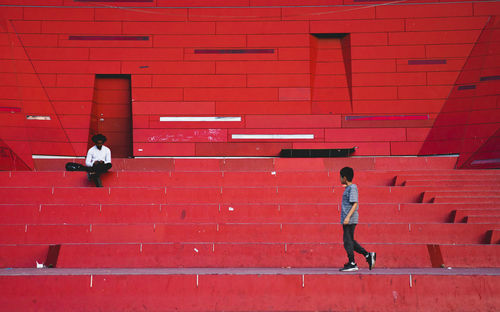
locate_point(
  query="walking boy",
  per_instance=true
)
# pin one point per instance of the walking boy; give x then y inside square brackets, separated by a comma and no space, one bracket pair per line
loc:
[349,220]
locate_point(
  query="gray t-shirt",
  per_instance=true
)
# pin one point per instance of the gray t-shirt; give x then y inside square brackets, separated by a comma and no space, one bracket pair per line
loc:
[350,197]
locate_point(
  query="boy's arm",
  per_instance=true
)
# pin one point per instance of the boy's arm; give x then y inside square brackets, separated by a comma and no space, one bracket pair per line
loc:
[349,215]
[88,159]
[107,157]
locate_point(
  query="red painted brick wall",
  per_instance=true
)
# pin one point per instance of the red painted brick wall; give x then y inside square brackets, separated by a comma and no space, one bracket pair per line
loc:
[400,66]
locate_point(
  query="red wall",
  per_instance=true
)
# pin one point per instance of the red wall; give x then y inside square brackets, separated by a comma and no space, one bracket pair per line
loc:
[469,121]
[380,87]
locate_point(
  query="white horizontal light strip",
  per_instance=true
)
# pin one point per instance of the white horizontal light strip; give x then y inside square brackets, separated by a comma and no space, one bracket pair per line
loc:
[274,136]
[33,117]
[200,157]
[56,157]
[200,118]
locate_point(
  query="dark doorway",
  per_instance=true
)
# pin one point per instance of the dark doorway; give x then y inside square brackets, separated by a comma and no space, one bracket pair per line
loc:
[112,113]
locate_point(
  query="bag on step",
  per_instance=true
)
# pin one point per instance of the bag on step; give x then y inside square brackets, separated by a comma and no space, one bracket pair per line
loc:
[75,167]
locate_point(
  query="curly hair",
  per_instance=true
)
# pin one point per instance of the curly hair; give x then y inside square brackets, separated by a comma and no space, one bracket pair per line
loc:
[99,137]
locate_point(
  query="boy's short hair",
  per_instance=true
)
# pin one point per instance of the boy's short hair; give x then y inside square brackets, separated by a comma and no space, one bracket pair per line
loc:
[348,173]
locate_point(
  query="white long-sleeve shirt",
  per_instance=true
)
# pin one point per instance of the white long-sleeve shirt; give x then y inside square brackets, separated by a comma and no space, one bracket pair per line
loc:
[95,154]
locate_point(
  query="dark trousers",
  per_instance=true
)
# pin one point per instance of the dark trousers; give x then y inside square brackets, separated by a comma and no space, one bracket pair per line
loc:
[96,170]
[350,244]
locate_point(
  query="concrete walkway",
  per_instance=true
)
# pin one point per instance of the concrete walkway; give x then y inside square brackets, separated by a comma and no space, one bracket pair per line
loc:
[248,271]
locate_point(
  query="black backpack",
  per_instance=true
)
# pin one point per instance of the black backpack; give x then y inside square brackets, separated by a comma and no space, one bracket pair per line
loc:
[75,167]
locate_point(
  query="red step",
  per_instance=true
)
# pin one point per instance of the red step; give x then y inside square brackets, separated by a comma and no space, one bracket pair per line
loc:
[119,164]
[470,256]
[276,255]
[483,219]
[458,233]
[44,179]
[158,195]
[230,178]
[217,213]
[495,237]
[234,255]
[429,195]
[231,289]
[243,255]
[461,214]
[19,213]
[264,164]
[22,256]
[486,185]
[191,179]
[478,200]
[236,213]
[458,175]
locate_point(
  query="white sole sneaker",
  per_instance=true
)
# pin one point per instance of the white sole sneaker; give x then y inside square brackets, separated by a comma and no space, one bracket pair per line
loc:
[373,258]
[349,270]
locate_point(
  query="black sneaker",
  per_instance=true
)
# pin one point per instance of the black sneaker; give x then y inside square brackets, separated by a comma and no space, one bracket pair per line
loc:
[349,267]
[371,257]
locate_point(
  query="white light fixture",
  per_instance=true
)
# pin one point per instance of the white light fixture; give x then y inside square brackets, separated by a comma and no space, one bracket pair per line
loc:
[200,119]
[34,117]
[56,157]
[273,136]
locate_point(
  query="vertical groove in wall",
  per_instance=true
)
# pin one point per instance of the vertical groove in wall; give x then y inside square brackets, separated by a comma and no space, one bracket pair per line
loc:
[346,52]
[331,72]
[112,113]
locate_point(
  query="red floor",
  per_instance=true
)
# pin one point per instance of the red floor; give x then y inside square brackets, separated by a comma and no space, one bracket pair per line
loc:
[237,290]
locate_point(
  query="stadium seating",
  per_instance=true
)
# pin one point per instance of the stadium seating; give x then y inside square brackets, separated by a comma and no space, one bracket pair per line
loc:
[257,214]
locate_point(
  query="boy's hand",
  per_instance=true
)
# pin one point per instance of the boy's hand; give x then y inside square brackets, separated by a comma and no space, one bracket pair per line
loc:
[346,220]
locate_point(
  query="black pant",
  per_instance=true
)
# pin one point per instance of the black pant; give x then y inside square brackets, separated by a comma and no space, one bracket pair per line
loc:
[96,170]
[350,244]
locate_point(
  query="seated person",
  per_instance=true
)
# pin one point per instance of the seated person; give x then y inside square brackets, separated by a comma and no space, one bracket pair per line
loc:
[98,159]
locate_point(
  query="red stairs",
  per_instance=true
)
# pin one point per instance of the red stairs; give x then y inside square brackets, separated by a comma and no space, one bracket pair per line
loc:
[245,229]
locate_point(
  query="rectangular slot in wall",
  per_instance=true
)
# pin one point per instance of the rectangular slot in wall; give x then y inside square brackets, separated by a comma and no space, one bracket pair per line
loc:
[125,38]
[331,73]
